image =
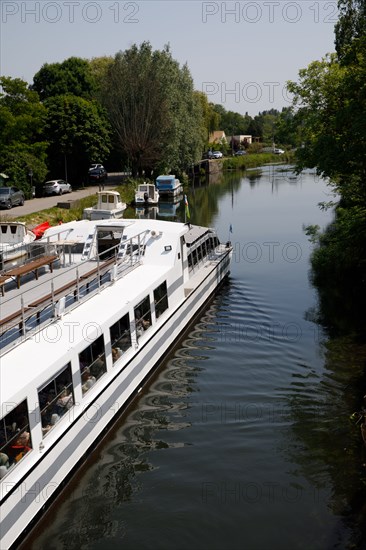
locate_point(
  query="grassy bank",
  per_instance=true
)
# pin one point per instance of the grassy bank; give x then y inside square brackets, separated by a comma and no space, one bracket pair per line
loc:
[257,159]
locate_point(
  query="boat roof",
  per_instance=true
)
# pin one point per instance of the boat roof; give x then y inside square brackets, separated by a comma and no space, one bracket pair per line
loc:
[12,223]
[167,177]
[80,229]
[194,233]
[115,193]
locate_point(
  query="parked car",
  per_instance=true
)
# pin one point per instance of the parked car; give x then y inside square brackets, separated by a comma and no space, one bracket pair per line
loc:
[240,153]
[216,155]
[98,174]
[56,187]
[278,151]
[94,166]
[11,196]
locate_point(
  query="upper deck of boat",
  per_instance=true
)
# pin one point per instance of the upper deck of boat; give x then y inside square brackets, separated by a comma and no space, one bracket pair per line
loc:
[31,302]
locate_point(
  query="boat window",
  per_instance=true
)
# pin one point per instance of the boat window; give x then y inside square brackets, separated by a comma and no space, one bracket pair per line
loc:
[111,199]
[55,399]
[104,198]
[142,316]
[92,364]
[4,229]
[120,337]
[13,229]
[15,438]
[161,299]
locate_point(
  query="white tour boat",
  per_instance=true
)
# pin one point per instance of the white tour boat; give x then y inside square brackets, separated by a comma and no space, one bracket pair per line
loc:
[78,341]
[14,240]
[168,186]
[109,205]
[146,195]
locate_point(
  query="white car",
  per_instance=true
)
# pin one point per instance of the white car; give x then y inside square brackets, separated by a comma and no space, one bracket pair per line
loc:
[95,166]
[216,155]
[278,151]
[56,187]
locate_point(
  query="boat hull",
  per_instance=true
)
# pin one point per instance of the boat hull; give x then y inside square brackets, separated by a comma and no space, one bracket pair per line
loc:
[170,191]
[25,500]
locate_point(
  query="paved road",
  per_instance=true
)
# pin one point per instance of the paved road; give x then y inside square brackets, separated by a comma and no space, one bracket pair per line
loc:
[35,205]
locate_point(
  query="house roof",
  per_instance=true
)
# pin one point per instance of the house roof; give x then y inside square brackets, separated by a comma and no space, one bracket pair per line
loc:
[217,136]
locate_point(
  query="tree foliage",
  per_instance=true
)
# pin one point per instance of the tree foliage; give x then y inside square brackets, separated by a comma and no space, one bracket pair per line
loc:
[330,98]
[72,76]
[22,142]
[332,114]
[152,108]
[350,27]
[78,134]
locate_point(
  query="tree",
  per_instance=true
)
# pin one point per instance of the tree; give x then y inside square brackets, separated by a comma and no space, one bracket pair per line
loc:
[351,26]
[72,76]
[332,113]
[231,122]
[99,67]
[153,110]
[78,133]
[22,121]
[330,99]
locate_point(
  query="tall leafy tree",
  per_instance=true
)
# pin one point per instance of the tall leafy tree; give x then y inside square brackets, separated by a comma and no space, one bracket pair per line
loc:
[22,121]
[152,109]
[332,113]
[330,98]
[350,27]
[78,134]
[72,76]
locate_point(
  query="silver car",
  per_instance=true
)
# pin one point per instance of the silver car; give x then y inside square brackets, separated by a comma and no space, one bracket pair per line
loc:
[11,196]
[56,187]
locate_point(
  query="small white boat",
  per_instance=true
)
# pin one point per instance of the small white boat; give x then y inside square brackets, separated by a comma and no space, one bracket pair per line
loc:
[146,194]
[168,185]
[14,240]
[109,206]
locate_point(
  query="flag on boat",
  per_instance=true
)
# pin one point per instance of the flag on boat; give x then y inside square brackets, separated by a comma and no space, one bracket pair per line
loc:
[186,205]
[230,229]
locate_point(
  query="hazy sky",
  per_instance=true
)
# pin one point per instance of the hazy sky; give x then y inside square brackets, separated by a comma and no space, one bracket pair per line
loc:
[239,53]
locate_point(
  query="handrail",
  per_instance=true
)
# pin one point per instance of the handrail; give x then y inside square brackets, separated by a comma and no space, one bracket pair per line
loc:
[26,315]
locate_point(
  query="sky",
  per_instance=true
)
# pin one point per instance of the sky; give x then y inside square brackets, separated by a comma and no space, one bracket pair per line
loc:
[241,54]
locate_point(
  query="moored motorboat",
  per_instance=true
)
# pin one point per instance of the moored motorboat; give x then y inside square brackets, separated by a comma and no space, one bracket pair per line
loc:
[109,205]
[14,240]
[168,185]
[98,326]
[146,195]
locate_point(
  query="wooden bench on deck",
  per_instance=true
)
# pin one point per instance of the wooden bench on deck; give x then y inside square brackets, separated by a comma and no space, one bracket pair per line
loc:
[3,279]
[30,267]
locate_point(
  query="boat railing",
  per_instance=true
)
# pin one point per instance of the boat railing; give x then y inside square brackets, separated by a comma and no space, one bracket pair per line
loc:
[33,307]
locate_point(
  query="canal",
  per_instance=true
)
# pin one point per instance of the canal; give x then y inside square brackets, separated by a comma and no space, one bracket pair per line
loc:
[242,439]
